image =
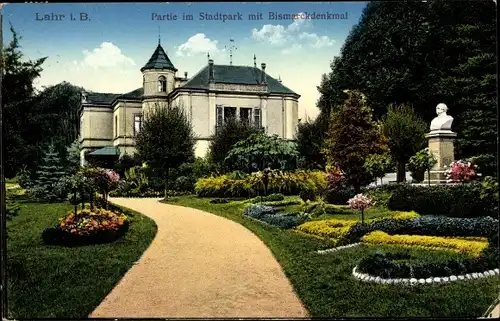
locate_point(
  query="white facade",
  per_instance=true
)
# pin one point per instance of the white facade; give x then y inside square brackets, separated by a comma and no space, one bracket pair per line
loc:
[207,98]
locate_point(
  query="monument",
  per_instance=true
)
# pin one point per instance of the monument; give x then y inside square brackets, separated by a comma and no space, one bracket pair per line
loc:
[441,144]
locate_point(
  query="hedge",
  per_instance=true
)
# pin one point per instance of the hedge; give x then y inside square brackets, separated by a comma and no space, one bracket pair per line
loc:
[461,200]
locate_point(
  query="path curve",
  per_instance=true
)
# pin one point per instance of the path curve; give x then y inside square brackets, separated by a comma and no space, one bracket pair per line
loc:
[200,265]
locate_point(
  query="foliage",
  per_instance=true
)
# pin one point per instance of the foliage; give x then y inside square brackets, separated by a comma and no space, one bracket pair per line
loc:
[474,248]
[11,206]
[166,139]
[378,165]
[125,162]
[379,194]
[338,191]
[489,189]
[463,200]
[73,158]
[310,138]
[231,132]
[287,183]
[360,202]
[406,134]
[332,228]
[260,151]
[270,198]
[352,136]
[461,172]
[267,214]
[399,265]
[19,110]
[48,175]
[420,163]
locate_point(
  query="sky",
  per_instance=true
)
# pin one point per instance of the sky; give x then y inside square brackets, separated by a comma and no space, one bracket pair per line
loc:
[102,46]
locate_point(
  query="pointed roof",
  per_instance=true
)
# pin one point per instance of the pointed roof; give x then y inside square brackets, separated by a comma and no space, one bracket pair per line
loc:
[159,60]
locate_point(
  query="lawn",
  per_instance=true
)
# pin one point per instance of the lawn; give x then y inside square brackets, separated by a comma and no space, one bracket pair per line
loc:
[52,281]
[325,284]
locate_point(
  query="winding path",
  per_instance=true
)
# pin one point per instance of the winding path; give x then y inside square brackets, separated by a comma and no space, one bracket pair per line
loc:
[200,265]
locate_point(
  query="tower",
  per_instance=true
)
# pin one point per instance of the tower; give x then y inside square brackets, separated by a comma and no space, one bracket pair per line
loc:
[158,75]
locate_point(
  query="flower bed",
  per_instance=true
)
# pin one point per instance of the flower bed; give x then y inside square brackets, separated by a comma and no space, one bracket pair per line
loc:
[267,214]
[87,227]
[327,228]
[427,225]
[397,265]
[474,248]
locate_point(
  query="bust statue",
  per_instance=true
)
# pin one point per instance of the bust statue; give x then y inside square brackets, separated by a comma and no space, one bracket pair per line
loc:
[442,121]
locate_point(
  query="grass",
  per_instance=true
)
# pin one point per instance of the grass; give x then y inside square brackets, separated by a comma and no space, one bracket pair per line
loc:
[52,281]
[325,285]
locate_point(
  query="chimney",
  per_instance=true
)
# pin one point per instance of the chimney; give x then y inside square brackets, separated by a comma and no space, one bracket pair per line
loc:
[263,79]
[186,75]
[211,71]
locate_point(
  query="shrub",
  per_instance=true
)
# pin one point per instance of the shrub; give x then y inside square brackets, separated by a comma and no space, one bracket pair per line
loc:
[474,248]
[184,183]
[87,227]
[257,210]
[285,221]
[251,185]
[420,163]
[461,200]
[379,195]
[332,228]
[391,266]
[273,197]
[461,172]
[360,202]
[338,191]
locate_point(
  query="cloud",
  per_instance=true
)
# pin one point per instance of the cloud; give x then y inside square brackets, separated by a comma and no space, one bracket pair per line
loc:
[291,35]
[104,56]
[292,49]
[316,41]
[198,43]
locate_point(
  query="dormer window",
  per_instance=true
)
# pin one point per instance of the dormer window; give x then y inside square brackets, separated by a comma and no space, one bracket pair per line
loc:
[162,84]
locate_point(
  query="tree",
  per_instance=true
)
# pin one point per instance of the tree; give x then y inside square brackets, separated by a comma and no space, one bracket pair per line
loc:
[231,132]
[406,134]
[378,165]
[352,136]
[310,138]
[21,133]
[166,139]
[49,174]
[260,151]
[73,157]
[422,162]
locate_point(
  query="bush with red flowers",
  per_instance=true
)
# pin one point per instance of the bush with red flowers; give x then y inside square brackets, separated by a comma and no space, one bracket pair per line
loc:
[87,227]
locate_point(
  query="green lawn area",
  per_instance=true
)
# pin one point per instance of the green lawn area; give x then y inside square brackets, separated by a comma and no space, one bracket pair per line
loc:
[325,284]
[52,281]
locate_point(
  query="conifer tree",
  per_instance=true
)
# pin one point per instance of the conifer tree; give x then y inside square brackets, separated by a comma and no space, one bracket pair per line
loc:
[49,174]
[352,136]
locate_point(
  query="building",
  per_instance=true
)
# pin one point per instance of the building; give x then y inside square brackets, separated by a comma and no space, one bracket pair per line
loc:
[109,122]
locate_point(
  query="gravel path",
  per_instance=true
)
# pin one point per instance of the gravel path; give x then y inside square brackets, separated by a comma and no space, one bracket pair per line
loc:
[200,265]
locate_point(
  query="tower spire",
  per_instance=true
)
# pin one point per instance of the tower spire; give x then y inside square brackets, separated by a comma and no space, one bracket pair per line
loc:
[254,61]
[208,56]
[159,38]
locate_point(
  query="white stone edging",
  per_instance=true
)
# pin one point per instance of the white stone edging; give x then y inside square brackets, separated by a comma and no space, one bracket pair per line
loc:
[337,248]
[447,279]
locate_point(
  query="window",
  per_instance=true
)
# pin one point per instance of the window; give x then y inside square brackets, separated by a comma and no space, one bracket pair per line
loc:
[219,115]
[116,126]
[229,113]
[137,123]
[256,119]
[246,115]
[162,84]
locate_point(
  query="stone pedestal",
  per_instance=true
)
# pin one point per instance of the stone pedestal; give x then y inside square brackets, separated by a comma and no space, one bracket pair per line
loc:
[441,145]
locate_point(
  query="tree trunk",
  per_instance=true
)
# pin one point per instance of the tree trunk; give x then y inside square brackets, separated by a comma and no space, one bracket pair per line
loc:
[91,198]
[429,176]
[83,198]
[76,201]
[362,216]
[401,173]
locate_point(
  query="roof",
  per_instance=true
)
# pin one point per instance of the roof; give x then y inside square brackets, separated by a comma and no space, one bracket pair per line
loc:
[230,74]
[134,94]
[101,98]
[159,60]
[106,151]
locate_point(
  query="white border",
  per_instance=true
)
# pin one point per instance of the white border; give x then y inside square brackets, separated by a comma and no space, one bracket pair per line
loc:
[376,279]
[337,248]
